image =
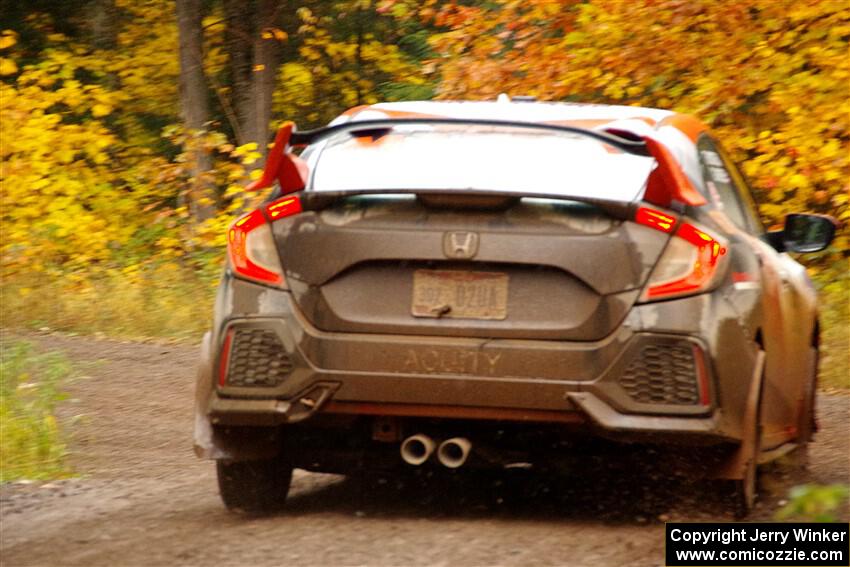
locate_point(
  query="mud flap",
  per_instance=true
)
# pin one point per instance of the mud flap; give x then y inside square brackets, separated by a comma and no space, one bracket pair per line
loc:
[244,443]
[734,467]
[808,424]
[203,437]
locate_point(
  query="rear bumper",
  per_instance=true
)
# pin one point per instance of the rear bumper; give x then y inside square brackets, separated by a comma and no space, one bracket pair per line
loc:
[584,409]
[580,383]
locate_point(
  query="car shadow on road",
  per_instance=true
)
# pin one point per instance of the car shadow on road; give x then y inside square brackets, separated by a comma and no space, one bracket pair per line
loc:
[593,494]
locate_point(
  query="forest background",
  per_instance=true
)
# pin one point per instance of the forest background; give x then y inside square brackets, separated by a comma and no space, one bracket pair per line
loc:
[128,128]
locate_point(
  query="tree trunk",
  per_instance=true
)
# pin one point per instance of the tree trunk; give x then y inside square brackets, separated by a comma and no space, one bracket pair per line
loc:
[254,58]
[101,19]
[194,105]
[237,39]
[266,60]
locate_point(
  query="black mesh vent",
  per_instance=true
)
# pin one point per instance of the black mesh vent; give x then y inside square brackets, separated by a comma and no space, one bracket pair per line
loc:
[257,359]
[662,374]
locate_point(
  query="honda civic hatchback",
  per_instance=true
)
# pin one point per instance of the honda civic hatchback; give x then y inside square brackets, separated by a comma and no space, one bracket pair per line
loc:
[480,284]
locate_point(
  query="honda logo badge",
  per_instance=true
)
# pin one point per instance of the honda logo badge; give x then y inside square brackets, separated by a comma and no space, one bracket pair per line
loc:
[460,245]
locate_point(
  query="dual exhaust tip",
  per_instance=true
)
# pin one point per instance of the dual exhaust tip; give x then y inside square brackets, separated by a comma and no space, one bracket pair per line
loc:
[452,453]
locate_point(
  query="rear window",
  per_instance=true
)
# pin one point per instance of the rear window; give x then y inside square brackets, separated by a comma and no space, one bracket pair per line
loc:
[441,157]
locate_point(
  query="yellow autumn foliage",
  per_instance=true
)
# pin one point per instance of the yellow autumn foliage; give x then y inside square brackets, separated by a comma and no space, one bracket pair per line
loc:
[84,191]
[57,167]
[335,73]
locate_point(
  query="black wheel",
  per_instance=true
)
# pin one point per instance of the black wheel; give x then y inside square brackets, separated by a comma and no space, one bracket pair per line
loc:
[256,487]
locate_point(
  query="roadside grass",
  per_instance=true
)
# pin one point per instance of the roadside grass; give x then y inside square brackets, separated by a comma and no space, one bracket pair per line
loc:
[835,330]
[815,503]
[168,302]
[31,443]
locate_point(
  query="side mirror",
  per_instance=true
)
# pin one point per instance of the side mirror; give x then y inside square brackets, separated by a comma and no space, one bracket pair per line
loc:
[803,233]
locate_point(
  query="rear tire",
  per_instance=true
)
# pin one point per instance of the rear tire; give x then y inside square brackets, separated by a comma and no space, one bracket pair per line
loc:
[255,487]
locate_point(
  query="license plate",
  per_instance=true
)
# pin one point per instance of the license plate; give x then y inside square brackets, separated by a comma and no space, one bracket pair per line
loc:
[455,294]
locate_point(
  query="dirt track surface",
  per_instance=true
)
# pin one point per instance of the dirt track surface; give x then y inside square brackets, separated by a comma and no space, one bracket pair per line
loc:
[144,499]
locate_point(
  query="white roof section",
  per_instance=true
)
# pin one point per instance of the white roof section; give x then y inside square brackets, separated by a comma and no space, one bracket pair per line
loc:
[515,160]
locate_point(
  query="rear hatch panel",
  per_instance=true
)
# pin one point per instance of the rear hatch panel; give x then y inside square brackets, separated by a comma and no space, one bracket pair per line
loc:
[573,270]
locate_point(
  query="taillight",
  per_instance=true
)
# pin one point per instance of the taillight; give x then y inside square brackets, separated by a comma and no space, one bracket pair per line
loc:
[284,207]
[655,219]
[690,262]
[250,244]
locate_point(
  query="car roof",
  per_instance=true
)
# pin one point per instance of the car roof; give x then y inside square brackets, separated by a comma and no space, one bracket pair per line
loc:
[591,116]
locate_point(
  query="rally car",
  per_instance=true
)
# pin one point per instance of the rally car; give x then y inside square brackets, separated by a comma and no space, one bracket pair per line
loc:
[476,284]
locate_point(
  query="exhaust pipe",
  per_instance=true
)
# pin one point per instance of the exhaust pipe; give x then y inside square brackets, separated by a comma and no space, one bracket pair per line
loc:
[454,452]
[417,449]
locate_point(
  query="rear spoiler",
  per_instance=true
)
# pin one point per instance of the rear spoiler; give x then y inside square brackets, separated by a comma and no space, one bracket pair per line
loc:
[383,126]
[667,183]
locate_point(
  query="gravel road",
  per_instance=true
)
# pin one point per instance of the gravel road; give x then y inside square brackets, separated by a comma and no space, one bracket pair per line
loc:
[142,498]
